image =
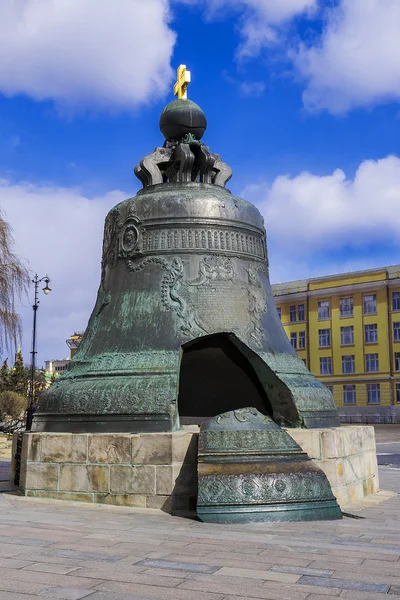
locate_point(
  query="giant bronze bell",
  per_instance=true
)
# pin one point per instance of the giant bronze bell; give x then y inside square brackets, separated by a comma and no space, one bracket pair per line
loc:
[185,322]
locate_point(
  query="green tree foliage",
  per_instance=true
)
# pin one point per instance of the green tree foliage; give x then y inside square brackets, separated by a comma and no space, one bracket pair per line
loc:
[19,376]
[12,407]
[4,376]
[14,392]
[14,281]
[14,383]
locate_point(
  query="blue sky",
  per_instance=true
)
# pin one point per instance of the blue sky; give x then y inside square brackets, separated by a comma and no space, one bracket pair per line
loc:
[302,99]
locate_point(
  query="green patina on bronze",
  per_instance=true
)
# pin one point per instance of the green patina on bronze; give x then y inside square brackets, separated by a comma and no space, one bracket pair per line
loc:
[251,470]
[184,262]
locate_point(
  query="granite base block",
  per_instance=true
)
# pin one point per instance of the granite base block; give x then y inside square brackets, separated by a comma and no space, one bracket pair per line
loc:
[347,455]
[159,470]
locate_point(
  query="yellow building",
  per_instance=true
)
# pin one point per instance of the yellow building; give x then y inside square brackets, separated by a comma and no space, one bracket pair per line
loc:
[346,328]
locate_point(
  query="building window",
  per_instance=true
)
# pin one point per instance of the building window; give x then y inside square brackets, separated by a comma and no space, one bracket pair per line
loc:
[373,393]
[349,394]
[348,364]
[371,363]
[347,335]
[324,309]
[396,332]
[346,307]
[304,361]
[293,313]
[370,304]
[397,393]
[396,301]
[325,365]
[370,334]
[293,339]
[324,338]
[300,312]
[330,388]
[397,361]
[302,340]
[278,308]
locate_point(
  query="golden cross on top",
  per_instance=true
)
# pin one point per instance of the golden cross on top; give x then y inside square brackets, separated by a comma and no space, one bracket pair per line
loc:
[183,80]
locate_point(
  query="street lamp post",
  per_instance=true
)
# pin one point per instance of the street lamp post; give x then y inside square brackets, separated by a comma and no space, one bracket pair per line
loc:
[31,404]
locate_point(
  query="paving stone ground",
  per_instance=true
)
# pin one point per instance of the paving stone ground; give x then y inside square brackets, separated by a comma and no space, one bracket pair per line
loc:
[4,469]
[52,549]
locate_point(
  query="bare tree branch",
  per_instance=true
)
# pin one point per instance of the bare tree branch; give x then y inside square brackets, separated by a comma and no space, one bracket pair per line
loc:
[14,281]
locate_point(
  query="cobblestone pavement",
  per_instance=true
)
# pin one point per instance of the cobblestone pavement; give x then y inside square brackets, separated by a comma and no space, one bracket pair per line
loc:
[66,550]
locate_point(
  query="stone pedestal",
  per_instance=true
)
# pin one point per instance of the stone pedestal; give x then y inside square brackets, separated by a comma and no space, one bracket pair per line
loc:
[159,470]
[347,455]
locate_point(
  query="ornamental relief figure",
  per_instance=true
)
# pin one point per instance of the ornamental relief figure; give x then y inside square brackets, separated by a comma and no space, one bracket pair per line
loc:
[111,227]
[214,268]
[257,303]
[217,298]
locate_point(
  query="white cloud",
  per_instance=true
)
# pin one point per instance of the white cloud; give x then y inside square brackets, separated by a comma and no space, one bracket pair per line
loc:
[252,88]
[259,19]
[312,218]
[262,23]
[91,53]
[332,209]
[356,62]
[272,11]
[60,232]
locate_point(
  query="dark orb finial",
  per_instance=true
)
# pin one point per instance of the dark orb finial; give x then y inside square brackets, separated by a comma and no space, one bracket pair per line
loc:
[182,118]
